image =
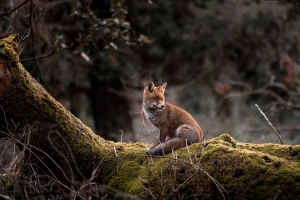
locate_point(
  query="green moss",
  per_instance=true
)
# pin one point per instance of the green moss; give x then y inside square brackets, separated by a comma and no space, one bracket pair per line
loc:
[266,168]
[125,181]
[246,171]
[9,48]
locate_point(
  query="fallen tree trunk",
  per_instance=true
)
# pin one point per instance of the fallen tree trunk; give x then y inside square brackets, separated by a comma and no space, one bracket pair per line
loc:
[28,108]
[218,168]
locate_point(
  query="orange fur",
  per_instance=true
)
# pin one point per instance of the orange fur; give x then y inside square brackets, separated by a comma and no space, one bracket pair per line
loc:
[173,122]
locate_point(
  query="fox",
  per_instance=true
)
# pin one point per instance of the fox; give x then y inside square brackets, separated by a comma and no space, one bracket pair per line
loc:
[173,123]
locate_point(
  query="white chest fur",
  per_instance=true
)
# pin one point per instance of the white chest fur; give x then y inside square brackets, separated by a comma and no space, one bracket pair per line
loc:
[151,116]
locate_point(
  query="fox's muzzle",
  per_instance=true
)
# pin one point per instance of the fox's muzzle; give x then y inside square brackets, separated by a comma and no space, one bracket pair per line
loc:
[160,106]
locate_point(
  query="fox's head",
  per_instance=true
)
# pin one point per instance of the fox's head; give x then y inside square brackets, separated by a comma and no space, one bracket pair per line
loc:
[154,96]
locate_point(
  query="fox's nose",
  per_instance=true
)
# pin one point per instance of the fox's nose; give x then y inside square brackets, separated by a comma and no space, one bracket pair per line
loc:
[160,106]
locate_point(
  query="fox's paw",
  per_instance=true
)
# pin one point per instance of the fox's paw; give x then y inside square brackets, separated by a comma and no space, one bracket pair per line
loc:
[148,151]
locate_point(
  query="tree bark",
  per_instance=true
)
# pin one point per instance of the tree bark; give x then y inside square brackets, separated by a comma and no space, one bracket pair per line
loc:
[218,168]
[29,109]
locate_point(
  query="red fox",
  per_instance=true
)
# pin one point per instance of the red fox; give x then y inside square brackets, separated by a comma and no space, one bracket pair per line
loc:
[172,121]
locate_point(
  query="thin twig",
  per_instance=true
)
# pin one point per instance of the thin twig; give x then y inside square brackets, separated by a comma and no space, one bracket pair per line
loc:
[121,134]
[187,147]
[270,124]
[8,12]
[147,191]
[186,181]
[115,151]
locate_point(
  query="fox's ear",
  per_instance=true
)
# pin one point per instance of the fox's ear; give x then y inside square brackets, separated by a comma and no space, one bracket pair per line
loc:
[163,87]
[150,86]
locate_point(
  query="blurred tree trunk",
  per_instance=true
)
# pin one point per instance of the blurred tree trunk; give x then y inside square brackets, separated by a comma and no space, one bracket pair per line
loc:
[219,168]
[110,111]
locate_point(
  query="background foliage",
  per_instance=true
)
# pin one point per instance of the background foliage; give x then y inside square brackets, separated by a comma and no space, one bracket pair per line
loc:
[218,57]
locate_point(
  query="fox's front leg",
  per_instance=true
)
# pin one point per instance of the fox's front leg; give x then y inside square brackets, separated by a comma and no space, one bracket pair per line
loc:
[158,147]
[163,133]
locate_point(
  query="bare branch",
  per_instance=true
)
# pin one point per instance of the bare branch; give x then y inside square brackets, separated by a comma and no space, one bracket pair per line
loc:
[270,124]
[15,8]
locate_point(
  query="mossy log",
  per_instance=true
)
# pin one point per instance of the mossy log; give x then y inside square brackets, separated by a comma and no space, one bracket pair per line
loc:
[217,168]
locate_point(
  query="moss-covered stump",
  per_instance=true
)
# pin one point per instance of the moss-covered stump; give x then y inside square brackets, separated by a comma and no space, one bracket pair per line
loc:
[218,168]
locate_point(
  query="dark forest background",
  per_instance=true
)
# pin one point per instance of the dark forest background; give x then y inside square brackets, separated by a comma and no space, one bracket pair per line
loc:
[220,58]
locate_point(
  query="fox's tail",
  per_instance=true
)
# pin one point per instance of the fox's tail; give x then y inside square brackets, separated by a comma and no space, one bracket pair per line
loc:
[167,146]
